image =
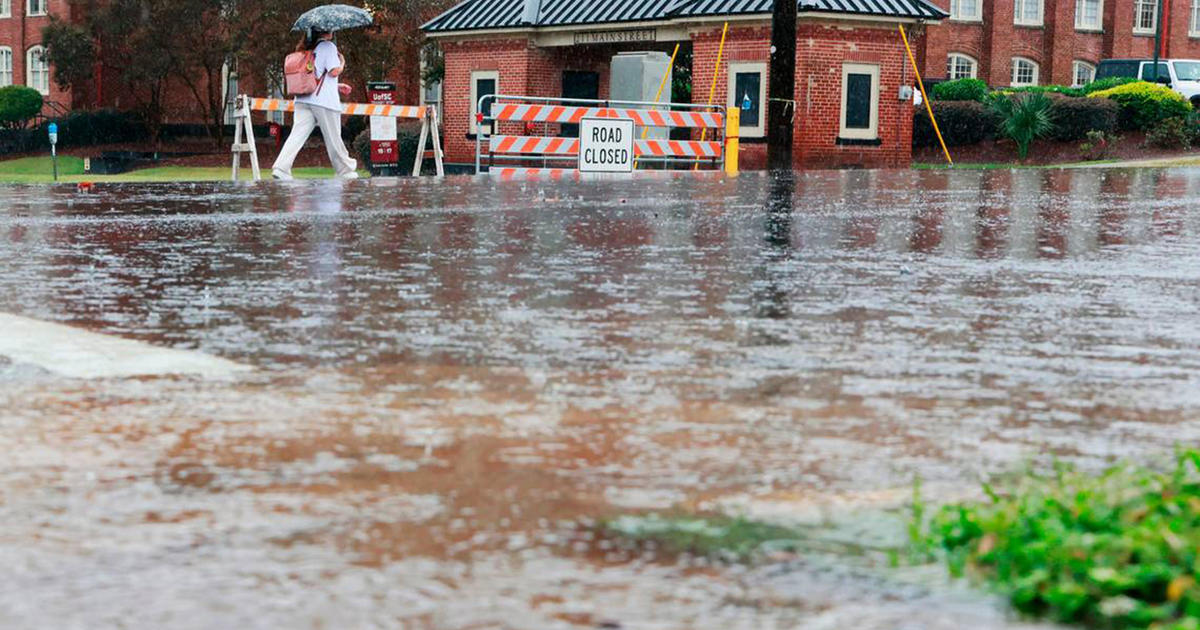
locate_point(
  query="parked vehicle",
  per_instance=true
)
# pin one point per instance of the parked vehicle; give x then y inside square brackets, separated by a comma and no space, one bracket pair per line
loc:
[1182,75]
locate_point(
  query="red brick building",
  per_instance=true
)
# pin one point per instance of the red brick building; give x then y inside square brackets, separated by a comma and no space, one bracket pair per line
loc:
[850,108]
[1022,42]
[21,63]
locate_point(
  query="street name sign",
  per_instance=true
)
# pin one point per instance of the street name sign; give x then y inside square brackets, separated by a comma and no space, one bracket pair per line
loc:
[605,145]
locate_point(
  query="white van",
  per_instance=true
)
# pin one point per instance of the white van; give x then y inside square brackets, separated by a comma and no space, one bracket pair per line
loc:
[1182,75]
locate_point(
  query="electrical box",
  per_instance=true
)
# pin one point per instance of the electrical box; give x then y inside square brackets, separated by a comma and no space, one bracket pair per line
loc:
[636,76]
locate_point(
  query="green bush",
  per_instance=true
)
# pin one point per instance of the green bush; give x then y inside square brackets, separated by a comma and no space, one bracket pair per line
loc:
[1097,144]
[1044,89]
[1075,117]
[960,90]
[1119,550]
[19,105]
[1024,118]
[1104,84]
[407,135]
[1178,132]
[100,126]
[961,122]
[1144,105]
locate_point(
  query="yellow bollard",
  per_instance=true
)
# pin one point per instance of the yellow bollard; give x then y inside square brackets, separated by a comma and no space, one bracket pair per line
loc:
[733,124]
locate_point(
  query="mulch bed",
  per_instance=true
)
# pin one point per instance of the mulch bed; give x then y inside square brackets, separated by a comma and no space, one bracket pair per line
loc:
[1128,147]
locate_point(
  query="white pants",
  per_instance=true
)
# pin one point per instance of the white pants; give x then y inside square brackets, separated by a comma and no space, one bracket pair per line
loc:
[306,119]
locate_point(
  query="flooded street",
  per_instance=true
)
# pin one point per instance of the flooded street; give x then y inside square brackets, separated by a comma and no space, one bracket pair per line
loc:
[453,380]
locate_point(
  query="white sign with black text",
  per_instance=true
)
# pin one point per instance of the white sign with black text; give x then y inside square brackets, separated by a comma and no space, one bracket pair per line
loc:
[605,145]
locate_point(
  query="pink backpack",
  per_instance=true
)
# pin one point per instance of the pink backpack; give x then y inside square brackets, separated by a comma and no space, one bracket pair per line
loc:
[300,74]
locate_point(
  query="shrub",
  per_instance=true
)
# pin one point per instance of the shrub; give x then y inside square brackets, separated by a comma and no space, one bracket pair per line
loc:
[1116,551]
[960,90]
[19,105]
[1144,105]
[1105,84]
[1024,118]
[961,122]
[101,126]
[1075,117]
[1043,89]
[407,136]
[1178,132]
[1097,145]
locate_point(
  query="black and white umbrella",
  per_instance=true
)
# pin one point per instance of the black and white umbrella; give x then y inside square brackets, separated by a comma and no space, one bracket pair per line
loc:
[333,17]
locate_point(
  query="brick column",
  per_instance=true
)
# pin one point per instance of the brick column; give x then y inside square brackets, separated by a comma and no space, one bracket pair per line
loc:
[996,60]
[1058,42]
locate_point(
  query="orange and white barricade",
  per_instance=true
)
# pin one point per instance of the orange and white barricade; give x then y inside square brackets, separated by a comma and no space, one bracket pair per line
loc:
[508,134]
[243,132]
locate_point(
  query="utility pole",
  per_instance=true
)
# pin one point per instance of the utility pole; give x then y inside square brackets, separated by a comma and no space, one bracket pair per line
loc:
[782,85]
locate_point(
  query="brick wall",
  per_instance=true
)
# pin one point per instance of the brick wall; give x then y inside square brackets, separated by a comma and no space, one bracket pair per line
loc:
[20,33]
[1054,45]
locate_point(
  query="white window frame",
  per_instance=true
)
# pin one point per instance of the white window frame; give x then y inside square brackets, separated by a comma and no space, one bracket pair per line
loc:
[971,60]
[6,66]
[1137,13]
[1019,17]
[871,132]
[1032,63]
[1194,22]
[5,8]
[734,102]
[1075,67]
[41,8]
[957,14]
[1080,25]
[476,76]
[29,69]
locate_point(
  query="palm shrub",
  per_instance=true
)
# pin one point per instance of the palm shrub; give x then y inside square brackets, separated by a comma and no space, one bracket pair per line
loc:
[1024,118]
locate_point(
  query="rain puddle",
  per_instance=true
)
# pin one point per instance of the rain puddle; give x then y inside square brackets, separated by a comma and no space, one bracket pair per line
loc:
[453,381]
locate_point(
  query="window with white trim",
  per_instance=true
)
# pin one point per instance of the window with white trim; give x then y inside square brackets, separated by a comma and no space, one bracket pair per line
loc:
[34,8]
[960,66]
[483,83]
[1027,12]
[1145,16]
[1083,73]
[6,77]
[748,93]
[37,71]
[1194,22]
[1089,15]
[860,102]
[1024,72]
[965,10]
[5,8]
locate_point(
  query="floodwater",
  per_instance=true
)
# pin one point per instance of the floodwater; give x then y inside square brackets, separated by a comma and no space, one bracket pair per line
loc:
[455,379]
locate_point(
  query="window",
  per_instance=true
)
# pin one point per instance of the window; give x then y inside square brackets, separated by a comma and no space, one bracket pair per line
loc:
[1147,72]
[5,8]
[1144,16]
[483,83]
[860,101]
[1194,22]
[37,71]
[35,7]
[1024,72]
[1027,12]
[1083,72]
[5,66]
[747,93]
[1088,14]
[960,66]
[964,9]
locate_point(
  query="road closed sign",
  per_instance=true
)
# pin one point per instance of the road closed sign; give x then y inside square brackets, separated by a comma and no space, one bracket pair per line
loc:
[605,145]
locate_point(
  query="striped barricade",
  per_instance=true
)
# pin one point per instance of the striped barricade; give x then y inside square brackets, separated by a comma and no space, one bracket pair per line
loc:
[243,135]
[534,153]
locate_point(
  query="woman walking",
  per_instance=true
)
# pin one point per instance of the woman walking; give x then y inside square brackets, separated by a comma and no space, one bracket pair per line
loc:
[322,108]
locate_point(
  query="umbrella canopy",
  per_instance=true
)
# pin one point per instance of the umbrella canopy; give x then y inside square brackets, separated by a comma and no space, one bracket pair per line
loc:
[333,17]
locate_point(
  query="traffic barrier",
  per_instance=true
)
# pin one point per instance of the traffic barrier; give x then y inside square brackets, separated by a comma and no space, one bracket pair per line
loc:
[523,153]
[243,132]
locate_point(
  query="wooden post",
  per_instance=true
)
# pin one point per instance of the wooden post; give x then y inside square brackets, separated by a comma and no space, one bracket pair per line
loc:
[781,91]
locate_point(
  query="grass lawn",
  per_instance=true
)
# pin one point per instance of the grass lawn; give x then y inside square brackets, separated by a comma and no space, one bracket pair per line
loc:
[38,170]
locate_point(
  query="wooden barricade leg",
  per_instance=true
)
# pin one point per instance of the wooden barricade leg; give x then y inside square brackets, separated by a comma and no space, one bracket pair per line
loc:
[254,170]
[421,146]
[437,144]
[237,139]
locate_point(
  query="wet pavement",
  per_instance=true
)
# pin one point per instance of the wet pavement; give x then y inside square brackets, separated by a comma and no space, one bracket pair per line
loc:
[453,380]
